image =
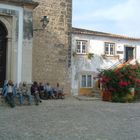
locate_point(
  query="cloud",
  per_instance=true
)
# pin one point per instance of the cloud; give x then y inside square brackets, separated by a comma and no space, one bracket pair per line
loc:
[123,18]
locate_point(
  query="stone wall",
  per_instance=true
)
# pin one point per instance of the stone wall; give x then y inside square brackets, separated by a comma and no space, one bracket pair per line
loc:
[18,22]
[51,47]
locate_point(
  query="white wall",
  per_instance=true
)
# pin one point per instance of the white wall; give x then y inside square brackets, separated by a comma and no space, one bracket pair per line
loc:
[80,63]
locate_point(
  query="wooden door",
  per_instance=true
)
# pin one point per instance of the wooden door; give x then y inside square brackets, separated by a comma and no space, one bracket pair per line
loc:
[129,53]
[3,42]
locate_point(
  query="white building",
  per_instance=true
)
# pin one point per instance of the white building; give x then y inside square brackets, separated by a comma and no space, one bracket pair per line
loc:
[92,51]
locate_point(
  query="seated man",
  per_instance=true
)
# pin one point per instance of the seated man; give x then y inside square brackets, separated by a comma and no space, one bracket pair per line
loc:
[41,90]
[24,93]
[58,91]
[35,92]
[49,91]
[9,92]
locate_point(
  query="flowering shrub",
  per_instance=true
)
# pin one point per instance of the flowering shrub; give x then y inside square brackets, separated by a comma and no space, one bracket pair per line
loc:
[118,81]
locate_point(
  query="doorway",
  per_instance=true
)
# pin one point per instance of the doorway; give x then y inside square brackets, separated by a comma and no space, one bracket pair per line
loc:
[129,53]
[3,46]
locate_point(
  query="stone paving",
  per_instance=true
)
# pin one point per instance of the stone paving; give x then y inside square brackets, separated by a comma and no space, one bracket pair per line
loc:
[71,119]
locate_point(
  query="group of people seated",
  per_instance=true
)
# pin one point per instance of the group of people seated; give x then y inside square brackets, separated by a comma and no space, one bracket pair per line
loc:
[48,92]
[38,91]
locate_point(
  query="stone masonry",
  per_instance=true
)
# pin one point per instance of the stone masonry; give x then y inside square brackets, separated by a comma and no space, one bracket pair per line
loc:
[51,46]
[16,18]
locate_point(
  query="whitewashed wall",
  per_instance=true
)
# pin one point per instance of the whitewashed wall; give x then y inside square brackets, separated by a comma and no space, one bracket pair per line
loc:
[82,65]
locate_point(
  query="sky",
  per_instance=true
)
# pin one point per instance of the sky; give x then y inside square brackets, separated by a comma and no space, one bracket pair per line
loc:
[111,16]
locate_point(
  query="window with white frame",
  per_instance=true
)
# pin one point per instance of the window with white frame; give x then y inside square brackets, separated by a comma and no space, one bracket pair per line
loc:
[86,81]
[81,46]
[109,48]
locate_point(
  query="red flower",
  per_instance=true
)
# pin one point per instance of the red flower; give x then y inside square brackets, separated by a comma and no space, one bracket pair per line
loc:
[130,77]
[111,89]
[104,79]
[123,83]
[137,80]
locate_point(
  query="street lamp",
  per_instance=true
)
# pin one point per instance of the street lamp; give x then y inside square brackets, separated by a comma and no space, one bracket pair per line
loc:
[45,21]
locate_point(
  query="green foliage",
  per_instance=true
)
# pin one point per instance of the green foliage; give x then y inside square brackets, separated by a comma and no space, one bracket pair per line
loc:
[74,54]
[122,98]
[137,93]
[90,55]
[119,81]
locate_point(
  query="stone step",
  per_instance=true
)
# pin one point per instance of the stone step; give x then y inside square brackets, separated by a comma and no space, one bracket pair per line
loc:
[86,98]
[96,93]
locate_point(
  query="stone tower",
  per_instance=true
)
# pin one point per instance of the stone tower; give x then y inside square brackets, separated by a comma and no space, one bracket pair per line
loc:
[52,46]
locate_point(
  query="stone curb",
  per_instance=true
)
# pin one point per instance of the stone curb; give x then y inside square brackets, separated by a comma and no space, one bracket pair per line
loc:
[84,98]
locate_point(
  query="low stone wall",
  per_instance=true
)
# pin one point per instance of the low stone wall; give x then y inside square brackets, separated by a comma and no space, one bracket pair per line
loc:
[3,103]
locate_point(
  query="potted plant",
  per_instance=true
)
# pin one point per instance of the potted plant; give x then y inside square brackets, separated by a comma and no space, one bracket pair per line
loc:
[74,54]
[90,55]
[120,82]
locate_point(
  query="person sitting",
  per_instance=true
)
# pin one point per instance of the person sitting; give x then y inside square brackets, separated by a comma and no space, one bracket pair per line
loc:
[9,92]
[24,93]
[41,90]
[35,92]
[49,91]
[58,91]
[3,88]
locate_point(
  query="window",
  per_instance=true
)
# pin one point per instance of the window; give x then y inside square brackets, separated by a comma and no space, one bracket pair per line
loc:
[81,46]
[86,81]
[109,48]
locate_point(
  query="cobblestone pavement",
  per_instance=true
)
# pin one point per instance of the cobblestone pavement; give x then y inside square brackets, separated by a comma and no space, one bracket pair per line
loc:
[71,119]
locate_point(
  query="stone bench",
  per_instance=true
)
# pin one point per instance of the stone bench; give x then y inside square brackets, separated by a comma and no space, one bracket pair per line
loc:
[17,103]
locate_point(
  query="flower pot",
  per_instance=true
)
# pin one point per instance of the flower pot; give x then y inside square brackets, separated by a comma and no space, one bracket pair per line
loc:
[106,96]
[132,91]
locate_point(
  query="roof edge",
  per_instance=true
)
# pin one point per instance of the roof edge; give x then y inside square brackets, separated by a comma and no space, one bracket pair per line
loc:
[21,3]
[98,33]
